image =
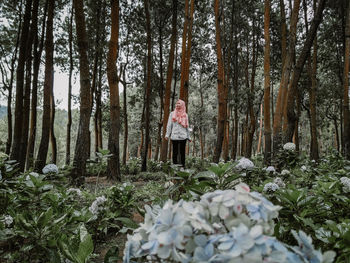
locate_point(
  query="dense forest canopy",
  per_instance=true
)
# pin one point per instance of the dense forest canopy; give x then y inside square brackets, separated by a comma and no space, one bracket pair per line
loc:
[254,75]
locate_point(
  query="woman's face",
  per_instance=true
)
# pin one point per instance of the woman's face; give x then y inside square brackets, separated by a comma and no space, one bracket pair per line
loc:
[178,105]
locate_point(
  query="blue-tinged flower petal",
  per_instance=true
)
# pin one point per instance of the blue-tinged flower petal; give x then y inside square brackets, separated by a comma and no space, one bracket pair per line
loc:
[164,251]
[201,240]
[226,245]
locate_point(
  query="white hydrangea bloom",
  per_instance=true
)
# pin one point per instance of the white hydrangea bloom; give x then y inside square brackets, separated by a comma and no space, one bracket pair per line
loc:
[168,184]
[95,206]
[271,187]
[346,184]
[32,174]
[244,164]
[74,190]
[50,168]
[285,172]
[8,220]
[279,182]
[270,169]
[289,146]
[303,168]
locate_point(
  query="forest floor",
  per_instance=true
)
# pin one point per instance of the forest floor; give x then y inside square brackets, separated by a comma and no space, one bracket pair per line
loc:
[118,239]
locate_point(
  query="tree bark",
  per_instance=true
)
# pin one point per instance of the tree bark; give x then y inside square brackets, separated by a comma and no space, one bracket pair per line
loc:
[148,87]
[286,68]
[161,92]
[37,49]
[10,87]
[126,130]
[267,120]
[71,67]
[52,126]
[346,115]
[17,134]
[222,96]
[82,153]
[291,117]
[312,70]
[252,117]
[164,148]
[28,83]
[48,83]
[113,171]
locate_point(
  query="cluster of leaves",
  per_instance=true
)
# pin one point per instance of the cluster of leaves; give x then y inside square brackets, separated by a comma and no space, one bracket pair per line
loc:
[42,219]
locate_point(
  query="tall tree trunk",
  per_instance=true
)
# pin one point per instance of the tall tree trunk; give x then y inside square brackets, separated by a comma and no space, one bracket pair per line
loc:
[312,70]
[185,42]
[52,126]
[148,87]
[48,83]
[38,48]
[71,67]
[299,68]
[28,83]
[82,153]
[346,115]
[95,68]
[126,130]
[286,68]
[186,69]
[164,148]
[10,87]
[17,135]
[252,117]
[161,92]
[113,140]
[222,95]
[267,120]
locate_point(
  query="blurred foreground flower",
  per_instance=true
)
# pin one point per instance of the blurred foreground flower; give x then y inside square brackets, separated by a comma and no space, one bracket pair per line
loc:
[224,226]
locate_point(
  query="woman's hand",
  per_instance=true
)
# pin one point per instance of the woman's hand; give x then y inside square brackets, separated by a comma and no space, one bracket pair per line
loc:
[166,138]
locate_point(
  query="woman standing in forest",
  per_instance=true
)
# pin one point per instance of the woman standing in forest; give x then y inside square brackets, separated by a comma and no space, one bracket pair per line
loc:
[178,131]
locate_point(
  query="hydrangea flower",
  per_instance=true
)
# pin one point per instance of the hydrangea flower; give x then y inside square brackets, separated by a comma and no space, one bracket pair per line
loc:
[289,146]
[223,226]
[346,184]
[270,169]
[168,184]
[285,172]
[244,164]
[50,168]
[32,174]
[74,190]
[303,168]
[95,206]
[271,187]
[279,182]
[8,220]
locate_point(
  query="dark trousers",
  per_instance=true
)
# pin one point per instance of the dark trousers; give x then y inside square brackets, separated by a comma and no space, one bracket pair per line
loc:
[179,148]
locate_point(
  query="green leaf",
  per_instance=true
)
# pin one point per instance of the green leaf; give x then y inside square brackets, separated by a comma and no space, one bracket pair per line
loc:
[44,218]
[112,255]
[65,248]
[128,222]
[86,246]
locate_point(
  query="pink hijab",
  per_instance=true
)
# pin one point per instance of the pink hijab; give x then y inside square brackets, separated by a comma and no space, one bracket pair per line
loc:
[180,115]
